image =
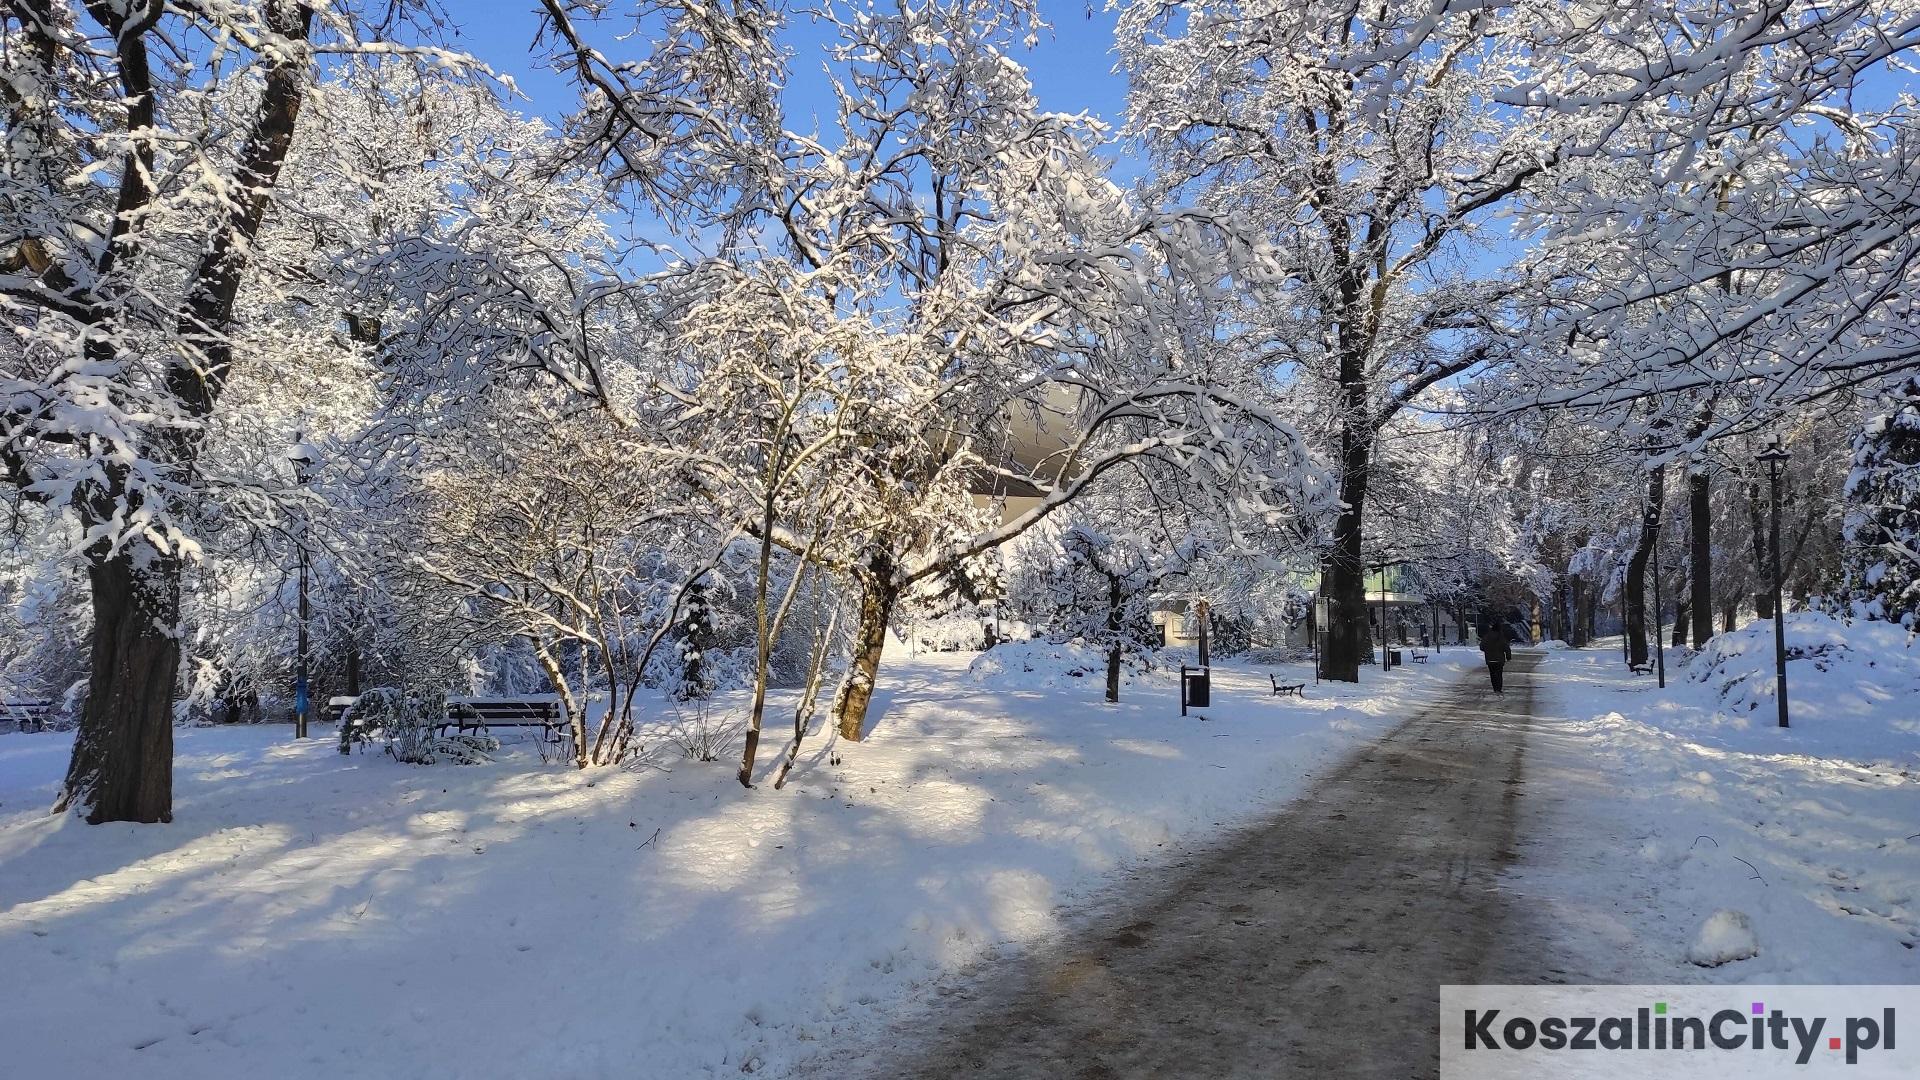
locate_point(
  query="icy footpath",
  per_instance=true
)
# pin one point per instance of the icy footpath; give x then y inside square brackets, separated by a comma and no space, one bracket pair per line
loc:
[1687,821]
[312,915]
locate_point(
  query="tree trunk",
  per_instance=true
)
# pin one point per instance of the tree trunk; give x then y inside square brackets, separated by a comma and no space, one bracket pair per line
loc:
[1636,583]
[1348,637]
[353,667]
[122,765]
[574,709]
[878,594]
[1578,589]
[1763,569]
[1115,598]
[1700,550]
[763,635]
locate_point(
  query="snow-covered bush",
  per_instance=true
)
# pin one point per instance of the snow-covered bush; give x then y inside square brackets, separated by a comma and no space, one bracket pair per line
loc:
[1021,665]
[407,724]
[696,640]
[961,631]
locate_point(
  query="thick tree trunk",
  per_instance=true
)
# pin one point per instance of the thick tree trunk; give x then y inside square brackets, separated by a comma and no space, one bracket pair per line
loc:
[1636,584]
[1348,639]
[1681,612]
[122,764]
[1700,551]
[878,594]
[1578,589]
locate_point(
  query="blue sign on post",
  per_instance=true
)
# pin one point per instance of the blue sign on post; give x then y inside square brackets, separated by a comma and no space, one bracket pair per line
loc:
[300,701]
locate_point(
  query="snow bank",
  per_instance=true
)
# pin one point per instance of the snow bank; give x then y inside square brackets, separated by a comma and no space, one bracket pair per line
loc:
[1853,690]
[1671,806]
[312,915]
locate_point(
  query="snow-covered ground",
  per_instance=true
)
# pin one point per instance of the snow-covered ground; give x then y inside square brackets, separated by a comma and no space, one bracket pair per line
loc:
[312,915]
[1672,806]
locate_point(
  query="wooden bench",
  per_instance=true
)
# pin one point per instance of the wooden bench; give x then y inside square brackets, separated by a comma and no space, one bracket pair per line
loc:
[1419,657]
[1281,689]
[482,714]
[26,715]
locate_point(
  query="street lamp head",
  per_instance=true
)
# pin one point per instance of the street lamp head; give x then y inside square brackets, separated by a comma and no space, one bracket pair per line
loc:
[1774,452]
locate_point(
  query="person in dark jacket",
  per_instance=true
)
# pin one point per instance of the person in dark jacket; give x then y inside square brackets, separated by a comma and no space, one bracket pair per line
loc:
[1496,644]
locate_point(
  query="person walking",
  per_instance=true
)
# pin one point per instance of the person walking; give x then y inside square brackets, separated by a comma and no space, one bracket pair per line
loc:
[1496,644]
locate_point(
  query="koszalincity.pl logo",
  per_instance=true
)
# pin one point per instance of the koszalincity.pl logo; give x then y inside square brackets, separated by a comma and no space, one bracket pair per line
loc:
[1656,1027]
[1571,1031]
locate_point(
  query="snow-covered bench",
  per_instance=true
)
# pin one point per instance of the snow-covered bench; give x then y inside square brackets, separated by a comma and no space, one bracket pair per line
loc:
[1281,689]
[336,707]
[1419,657]
[26,715]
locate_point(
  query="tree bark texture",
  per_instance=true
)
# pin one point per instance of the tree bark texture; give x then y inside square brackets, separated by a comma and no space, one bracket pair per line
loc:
[1700,551]
[1348,637]
[878,594]
[122,764]
[1763,570]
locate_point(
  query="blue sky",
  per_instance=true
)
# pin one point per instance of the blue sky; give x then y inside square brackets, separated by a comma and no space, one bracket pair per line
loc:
[1071,66]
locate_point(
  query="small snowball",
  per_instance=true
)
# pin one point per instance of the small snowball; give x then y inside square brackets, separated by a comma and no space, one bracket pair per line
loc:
[1726,936]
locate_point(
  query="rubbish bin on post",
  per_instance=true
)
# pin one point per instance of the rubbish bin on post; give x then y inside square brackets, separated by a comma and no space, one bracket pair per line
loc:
[1196,688]
[1393,659]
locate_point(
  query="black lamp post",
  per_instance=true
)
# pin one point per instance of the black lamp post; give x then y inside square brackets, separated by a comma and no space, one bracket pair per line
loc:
[304,459]
[1776,455]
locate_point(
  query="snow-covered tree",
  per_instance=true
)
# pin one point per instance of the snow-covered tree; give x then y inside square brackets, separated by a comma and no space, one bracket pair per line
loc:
[557,531]
[144,144]
[1883,512]
[1369,155]
[1094,571]
[953,253]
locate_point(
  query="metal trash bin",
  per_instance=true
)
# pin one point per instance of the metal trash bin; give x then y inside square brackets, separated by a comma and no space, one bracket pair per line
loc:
[1196,688]
[1394,659]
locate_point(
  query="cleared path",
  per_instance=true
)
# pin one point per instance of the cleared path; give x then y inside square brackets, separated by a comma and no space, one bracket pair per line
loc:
[1311,945]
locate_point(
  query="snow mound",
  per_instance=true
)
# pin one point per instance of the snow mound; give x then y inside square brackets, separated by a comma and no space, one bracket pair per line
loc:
[1027,665]
[1853,688]
[1740,665]
[1726,936]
